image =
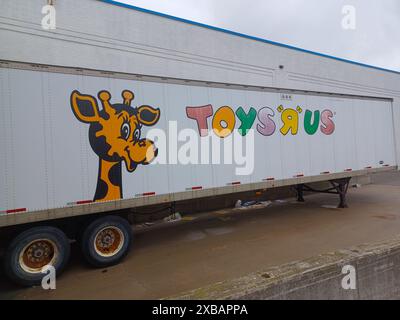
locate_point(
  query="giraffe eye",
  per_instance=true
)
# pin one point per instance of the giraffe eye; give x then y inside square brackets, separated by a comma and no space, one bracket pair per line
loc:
[136,135]
[125,131]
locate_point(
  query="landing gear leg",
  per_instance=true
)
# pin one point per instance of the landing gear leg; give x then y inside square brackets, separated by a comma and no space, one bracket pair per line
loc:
[339,187]
[173,210]
[300,194]
[342,186]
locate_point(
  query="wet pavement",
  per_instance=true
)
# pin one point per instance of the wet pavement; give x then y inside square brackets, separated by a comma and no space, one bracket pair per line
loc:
[171,258]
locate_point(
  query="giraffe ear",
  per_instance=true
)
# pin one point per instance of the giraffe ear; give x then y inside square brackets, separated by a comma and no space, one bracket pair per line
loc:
[84,107]
[148,116]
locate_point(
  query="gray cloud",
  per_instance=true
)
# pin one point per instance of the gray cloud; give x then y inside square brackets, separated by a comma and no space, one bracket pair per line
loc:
[310,24]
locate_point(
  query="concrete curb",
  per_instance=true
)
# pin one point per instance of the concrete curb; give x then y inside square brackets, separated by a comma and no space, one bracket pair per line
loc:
[377,277]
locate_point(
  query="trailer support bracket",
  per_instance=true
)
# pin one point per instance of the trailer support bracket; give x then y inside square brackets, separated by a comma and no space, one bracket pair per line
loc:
[338,186]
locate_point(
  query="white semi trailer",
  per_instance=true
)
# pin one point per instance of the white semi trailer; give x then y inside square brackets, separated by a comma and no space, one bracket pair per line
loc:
[98,118]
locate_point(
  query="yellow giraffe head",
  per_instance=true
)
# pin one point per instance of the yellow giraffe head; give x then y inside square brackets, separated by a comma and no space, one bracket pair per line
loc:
[115,136]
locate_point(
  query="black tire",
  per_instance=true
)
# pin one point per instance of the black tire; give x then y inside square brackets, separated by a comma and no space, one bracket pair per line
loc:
[14,265]
[99,257]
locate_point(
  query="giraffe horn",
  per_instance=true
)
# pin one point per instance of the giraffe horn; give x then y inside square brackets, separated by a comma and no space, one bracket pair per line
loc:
[128,97]
[105,97]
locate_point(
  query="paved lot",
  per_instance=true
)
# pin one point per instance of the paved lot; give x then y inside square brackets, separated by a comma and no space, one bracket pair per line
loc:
[172,258]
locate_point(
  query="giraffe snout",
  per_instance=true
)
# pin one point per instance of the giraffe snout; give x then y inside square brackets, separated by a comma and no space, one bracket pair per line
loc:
[151,153]
[143,152]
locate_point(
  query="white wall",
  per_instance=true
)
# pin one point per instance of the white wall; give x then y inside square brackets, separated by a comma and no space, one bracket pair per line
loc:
[96,35]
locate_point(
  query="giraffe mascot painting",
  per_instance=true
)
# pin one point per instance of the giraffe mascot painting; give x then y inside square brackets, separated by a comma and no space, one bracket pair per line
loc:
[115,136]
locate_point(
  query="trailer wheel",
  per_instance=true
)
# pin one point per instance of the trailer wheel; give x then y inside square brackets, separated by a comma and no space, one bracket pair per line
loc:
[106,241]
[33,250]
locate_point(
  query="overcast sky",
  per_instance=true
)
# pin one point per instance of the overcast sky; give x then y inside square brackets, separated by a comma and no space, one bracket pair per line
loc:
[310,24]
